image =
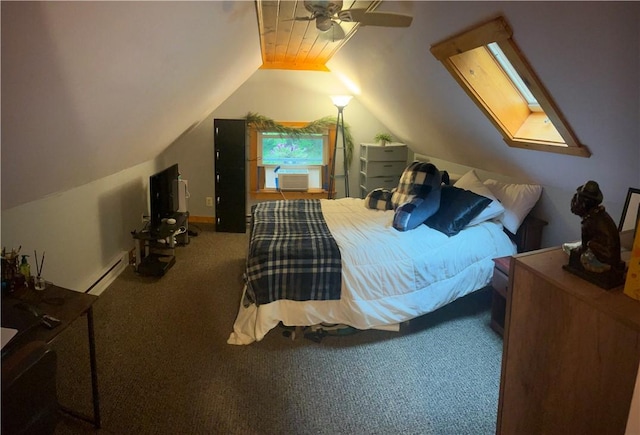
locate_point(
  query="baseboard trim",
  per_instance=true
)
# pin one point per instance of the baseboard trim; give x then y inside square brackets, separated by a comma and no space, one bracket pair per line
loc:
[110,275]
[202,219]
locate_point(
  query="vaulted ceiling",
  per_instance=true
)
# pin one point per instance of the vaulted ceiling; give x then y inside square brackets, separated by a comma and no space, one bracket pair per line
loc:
[291,43]
[304,35]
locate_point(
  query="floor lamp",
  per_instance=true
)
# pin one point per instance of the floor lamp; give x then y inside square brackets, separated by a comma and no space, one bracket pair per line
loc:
[340,101]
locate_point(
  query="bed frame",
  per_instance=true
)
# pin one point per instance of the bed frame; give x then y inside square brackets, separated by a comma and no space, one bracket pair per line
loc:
[529,235]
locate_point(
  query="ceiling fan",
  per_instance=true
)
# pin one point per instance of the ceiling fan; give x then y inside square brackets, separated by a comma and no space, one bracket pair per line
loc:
[326,12]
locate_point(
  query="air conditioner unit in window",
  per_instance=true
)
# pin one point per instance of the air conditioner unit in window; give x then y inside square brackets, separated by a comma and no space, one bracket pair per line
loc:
[293,179]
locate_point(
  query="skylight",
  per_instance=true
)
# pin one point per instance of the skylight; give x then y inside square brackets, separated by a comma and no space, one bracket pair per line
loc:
[488,65]
[514,76]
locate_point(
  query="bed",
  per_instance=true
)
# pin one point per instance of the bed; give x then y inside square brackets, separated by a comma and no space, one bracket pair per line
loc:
[343,262]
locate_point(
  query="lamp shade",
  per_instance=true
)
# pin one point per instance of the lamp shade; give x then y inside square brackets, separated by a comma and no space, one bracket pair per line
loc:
[341,100]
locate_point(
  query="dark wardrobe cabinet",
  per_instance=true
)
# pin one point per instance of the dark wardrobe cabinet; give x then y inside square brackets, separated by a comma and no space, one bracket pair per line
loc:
[229,137]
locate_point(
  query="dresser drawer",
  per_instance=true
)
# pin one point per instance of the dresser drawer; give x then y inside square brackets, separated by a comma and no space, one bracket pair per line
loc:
[389,153]
[500,285]
[382,169]
[370,183]
[500,282]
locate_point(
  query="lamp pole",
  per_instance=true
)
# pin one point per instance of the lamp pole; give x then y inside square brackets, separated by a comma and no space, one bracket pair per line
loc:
[340,101]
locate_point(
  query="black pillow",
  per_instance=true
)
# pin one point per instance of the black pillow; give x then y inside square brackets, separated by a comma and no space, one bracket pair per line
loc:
[457,208]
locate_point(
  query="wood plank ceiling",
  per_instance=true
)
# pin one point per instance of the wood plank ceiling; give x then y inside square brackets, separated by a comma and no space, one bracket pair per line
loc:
[288,43]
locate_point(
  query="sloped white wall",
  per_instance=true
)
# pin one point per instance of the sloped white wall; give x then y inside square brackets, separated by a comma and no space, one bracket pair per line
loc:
[584,53]
[92,88]
[92,92]
[83,231]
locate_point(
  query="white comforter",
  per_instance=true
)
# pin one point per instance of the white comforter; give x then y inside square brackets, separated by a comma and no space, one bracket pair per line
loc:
[388,276]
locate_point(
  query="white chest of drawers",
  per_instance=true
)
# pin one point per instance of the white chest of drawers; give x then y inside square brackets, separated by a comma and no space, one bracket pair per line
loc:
[381,166]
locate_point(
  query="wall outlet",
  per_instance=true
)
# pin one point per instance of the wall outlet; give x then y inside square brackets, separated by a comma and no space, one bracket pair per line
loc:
[209,201]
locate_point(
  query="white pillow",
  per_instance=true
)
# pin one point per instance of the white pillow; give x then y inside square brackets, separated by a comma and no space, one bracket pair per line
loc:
[470,181]
[517,200]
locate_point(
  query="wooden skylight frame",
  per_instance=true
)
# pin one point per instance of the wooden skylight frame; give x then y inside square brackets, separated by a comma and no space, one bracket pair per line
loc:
[470,62]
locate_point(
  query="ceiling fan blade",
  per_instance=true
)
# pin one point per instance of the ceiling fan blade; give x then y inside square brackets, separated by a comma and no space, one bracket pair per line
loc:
[301,19]
[382,19]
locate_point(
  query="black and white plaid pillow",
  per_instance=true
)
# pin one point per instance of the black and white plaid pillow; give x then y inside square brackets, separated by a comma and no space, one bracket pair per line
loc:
[418,179]
[379,199]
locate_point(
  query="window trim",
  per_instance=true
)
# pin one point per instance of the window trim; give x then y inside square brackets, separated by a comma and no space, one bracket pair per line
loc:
[530,132]
[257,191]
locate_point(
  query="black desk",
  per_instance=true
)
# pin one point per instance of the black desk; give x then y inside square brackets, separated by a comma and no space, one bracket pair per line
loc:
[66,305]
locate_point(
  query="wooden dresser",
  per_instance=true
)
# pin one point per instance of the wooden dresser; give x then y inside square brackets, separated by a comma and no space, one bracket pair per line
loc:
[571,351]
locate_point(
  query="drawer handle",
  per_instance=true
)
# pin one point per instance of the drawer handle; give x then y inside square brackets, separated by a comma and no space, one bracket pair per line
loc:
[388,166]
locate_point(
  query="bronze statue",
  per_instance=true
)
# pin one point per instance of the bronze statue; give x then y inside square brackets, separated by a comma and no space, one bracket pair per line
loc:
[597,257]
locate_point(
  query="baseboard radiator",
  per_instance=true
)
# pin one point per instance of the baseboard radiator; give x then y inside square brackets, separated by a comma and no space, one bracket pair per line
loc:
[109,275]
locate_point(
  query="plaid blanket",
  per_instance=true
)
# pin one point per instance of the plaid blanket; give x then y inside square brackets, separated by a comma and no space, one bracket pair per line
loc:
[292,254]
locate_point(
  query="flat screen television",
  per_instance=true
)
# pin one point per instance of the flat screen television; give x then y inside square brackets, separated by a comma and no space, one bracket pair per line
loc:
[163,195]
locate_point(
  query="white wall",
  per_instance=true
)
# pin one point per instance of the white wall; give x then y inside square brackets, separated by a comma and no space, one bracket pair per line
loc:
[109,85]
[84,231]
[92,92]
[592,75]
[585,53]
[282,96]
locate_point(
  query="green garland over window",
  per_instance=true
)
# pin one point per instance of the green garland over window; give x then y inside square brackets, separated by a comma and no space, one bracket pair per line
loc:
[262,123]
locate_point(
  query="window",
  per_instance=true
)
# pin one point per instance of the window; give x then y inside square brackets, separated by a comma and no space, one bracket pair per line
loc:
[280,153]
[274,152]
[514,77]
[488,65]
[279,149]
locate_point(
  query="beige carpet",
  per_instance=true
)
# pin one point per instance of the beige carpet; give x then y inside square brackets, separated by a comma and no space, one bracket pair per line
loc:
[164,366]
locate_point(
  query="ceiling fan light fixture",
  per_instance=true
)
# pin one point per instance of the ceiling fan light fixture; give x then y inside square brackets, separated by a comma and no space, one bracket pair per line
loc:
[323,23]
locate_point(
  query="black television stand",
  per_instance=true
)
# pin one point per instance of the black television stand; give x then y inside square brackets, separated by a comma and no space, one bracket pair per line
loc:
[155,246]
[155,264]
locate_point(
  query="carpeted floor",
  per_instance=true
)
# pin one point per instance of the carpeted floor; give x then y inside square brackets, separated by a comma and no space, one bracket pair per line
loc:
[164,366]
